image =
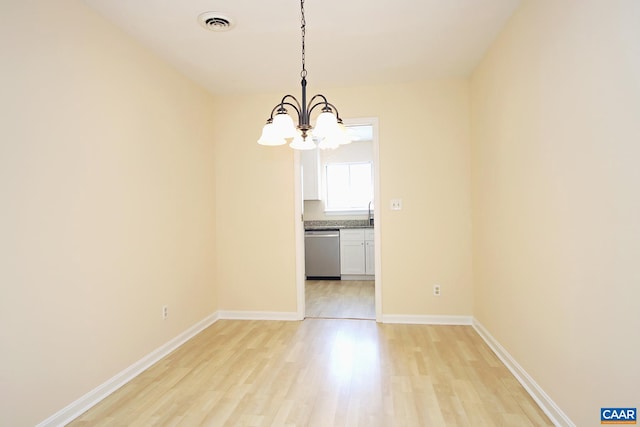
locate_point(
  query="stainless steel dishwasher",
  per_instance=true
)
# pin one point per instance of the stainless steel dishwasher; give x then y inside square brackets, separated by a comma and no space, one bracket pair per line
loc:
[322,254]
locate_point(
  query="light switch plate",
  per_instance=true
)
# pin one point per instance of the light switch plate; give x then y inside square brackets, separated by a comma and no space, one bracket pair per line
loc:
[396,204]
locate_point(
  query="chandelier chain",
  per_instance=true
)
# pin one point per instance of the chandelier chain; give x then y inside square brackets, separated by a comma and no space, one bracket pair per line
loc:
[303,28]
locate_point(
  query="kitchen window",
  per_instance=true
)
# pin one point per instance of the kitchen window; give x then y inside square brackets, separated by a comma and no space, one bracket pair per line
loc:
[349,186]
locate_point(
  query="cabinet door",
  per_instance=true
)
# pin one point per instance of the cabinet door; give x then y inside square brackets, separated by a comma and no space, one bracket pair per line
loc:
[310,161]
[352,257]
[369,261]
[369,234]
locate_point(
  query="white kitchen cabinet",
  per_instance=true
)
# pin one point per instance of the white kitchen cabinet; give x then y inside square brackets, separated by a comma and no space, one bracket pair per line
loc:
[369,253]
[356,253]
[352,257]
[310,162]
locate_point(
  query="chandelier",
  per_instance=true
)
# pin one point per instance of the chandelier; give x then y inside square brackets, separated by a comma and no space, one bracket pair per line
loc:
[329,130]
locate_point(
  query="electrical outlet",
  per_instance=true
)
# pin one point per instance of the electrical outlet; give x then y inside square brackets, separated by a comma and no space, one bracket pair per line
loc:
[396,204]
[165,312]
[436,290]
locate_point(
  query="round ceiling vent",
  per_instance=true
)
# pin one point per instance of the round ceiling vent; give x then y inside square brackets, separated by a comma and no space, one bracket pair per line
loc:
[215,21]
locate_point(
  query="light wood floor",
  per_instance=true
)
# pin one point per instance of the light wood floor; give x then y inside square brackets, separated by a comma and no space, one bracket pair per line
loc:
[340,299]
[323,373]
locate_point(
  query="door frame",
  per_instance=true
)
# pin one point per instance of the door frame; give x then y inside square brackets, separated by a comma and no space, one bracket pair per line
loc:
[299,228]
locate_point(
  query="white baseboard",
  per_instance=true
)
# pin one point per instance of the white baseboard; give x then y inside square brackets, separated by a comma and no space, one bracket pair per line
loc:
[553,411]
[77,408]
[357,277]
[427,319]
[258,315]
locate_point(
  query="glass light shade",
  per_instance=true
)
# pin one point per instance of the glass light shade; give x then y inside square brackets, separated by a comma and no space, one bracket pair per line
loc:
[325,125]
[269,136]
[344,137]
[283,123]
[337,137]
[302,144]
[329,142]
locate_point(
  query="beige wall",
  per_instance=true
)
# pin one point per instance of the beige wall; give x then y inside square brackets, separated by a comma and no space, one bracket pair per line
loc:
[556,132]
[110,163]
[255,221]
[107,194]
[424,159]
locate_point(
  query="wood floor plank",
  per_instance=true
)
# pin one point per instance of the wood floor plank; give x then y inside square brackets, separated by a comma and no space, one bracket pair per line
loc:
[323,372]
[340,299]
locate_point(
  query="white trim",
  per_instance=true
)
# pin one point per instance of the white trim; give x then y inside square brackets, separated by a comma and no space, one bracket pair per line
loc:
[258,315]
[347,277]
[548,406]
[377,209]
[427,319]
[86,402]
[299,235]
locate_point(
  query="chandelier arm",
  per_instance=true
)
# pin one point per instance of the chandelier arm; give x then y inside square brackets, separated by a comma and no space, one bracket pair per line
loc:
[335,109]
[290,105]
[324,105]
[324,102]
[324,99]
[282,104]
[310,108]
[297,106]
[273,111]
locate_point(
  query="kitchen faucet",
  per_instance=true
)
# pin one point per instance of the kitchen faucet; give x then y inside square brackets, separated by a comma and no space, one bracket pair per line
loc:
[370,217]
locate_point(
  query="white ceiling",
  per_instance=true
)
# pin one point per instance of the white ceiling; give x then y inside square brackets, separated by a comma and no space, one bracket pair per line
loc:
[348,42]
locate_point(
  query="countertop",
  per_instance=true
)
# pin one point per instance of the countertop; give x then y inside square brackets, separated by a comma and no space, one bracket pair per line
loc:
[337,224]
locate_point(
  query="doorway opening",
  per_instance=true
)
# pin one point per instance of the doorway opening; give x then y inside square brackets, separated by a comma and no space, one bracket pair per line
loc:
[336,192]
